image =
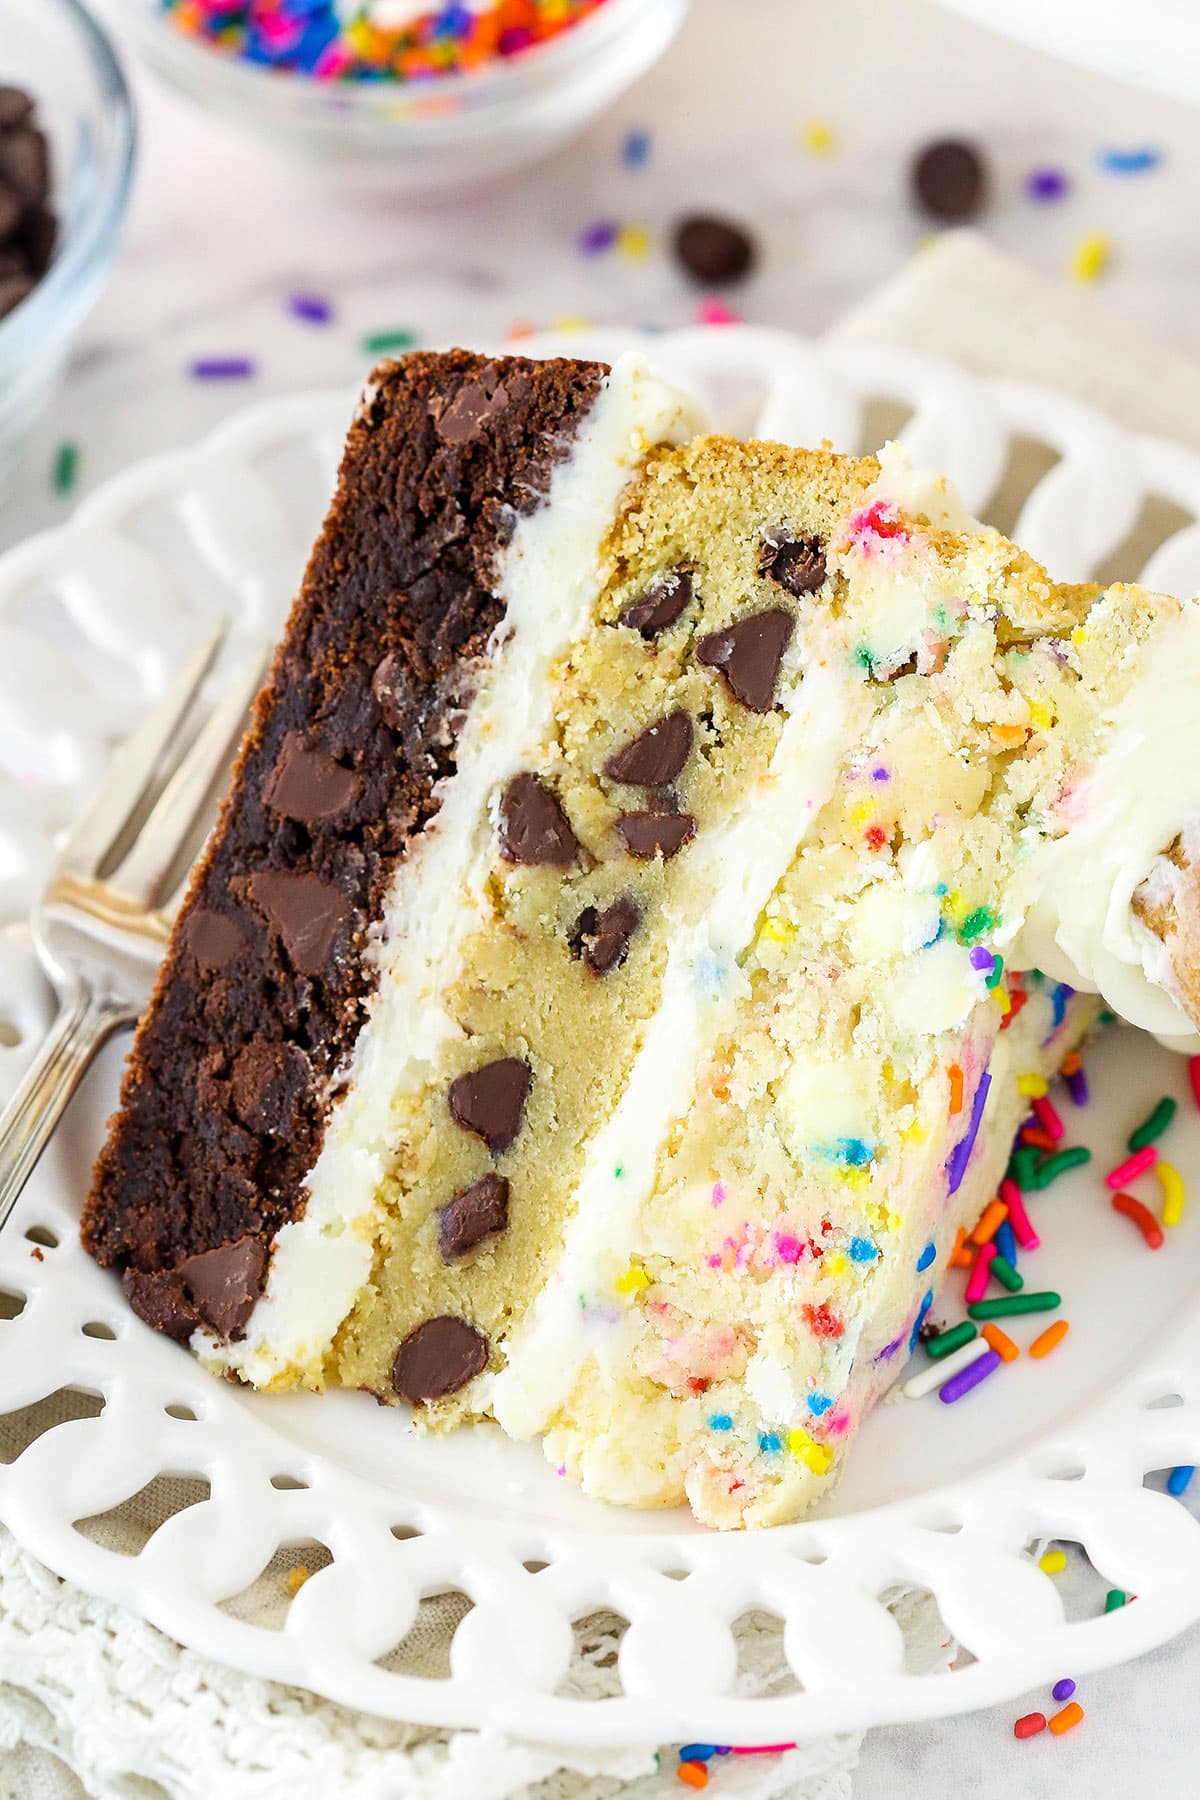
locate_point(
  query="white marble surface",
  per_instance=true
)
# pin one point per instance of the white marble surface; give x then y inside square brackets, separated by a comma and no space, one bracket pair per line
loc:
[220,233]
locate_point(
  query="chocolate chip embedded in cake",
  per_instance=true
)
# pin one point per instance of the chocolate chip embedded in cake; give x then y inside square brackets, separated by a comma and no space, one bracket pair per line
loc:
[656,756]
[660,605]
[439,1358]
[649,834]
[490,1101]
[602,939]
[797,564]
[748,656]
[478,1212]
[534,829]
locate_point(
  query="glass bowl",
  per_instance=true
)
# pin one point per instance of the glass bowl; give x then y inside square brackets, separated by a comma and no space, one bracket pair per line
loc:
[56,51]
[415,138]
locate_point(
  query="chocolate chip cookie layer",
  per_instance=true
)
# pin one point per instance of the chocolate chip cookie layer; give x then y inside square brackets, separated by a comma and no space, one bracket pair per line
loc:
[265,988]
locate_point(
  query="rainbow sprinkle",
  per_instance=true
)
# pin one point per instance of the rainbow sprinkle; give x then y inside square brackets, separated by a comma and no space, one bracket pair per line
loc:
[332,42]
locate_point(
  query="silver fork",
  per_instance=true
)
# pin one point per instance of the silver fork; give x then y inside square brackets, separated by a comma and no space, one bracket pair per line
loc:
[100,941]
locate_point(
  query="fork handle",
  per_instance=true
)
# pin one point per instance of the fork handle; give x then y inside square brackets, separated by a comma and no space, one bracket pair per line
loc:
[85,1022]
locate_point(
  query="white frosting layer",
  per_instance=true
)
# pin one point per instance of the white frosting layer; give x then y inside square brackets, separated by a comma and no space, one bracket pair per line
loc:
[737,867]
[1075,891]
[550,576]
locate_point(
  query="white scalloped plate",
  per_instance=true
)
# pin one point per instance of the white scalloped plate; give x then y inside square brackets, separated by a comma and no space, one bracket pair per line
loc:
[91,619]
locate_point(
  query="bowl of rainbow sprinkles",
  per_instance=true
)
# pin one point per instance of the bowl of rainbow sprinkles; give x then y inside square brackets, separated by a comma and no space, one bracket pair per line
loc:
[405,95]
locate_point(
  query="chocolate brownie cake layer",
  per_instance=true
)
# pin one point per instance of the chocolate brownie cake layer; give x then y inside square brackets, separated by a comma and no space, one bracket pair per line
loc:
[262,995]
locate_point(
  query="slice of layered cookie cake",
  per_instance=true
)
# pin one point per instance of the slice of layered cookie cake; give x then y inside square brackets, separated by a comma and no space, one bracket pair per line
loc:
[606,993]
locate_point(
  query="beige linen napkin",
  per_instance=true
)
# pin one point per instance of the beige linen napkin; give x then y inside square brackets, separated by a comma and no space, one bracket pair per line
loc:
[93,1701]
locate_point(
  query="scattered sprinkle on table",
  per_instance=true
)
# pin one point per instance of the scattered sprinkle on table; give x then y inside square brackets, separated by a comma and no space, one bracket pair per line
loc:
[1047,1117]
[1018,1218]
[693,1774]
[713,250]
[949,180]
[1091,256]
[1029,1724]
[715,312]
[635,151]
[1154,1125]
[701,1752]
[1172,1192]
[1142,1217]
[601,235]
[939,1373]
[1006,1243]
[1001,1343]
[378,343]
[1053,1562]
[1057,1165]
[1062,1690]
[633,242]
[1194,1077]
[1053,1335]
[1067,1719]
[311,309]
[1114,1600]
[1180,1479]
[969,1378]
[1138,161]
[947,1341]
[818,136]
[222,368]
[1010,1304]
[1002,1271]
[990,1220]
[1132,1167]
[65,474]
[978,1279]
[1046,184]
[761,1749]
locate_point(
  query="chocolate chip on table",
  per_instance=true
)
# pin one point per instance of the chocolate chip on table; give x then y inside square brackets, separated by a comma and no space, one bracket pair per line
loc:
[655,757]
[534,829]
[649,834]
[602,938]
[490,1100]
[224,1283]
[13,291]
[797,564]
[214,938]
[479,1211]
[306,911]
[307,784]
[713,250]
[660,605]
[440,1356]
[15,107]
[949,179]
[748,654]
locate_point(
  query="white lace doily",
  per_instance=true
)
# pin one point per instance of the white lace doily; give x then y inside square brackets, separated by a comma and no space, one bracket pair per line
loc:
[91,619]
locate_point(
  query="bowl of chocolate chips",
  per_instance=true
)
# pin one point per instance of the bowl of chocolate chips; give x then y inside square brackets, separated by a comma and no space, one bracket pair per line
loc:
[66,156]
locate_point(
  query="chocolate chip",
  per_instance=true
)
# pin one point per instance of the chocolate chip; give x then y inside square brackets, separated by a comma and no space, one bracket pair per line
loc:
[713,250]
[214,938]
[25,164]
[748,655]
[469,410]
[306,912]
[478,1212]
[534,829]
[490,1101]
[660,605]
[13,291]
[438,1358]
[11,209]
[949,179]
[649,834]
[159,1299]
[797,564]
[655,757]
[270,1083]
[308,784]
[39,230]
[224,1283]
[602,938]
[15,107]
